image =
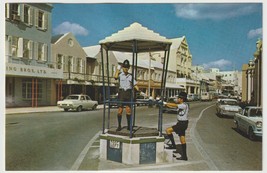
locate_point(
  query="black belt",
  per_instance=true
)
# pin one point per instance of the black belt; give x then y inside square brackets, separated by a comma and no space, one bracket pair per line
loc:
[120,89]
[184,121]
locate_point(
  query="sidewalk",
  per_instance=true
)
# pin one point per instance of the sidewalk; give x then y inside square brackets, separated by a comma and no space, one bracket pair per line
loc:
[23,110]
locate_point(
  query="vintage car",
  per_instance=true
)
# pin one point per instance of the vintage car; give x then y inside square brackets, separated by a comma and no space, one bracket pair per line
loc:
[250,121]
[227,107]
[77,102]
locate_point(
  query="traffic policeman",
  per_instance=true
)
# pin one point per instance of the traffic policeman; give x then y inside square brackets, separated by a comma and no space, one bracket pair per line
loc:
[126,81]
[181,125]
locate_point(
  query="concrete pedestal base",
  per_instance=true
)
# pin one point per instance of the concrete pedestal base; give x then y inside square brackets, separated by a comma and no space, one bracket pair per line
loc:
[147,148]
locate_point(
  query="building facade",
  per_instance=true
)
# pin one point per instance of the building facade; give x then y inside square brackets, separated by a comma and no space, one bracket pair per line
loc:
[30,76]
[69,57]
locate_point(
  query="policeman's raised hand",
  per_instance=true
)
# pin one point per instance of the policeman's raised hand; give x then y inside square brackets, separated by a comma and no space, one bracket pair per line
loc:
[119,67]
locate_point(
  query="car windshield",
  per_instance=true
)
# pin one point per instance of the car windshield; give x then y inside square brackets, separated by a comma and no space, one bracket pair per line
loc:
[228,102]
[255,113]
[72,97]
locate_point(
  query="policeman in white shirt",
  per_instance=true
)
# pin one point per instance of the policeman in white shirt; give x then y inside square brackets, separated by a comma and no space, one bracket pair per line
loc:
[181,125]
[125,90]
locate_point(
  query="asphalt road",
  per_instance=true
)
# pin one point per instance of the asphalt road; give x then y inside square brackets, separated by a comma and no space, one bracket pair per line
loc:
[53,141]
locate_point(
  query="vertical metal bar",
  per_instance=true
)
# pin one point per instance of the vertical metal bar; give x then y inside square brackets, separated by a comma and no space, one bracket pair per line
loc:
[135,77]
[36,94]
[104,91]
[108,90]
[32,92]
[132,93]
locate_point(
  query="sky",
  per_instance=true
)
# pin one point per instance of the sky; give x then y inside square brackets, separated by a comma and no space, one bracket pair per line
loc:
[219,35]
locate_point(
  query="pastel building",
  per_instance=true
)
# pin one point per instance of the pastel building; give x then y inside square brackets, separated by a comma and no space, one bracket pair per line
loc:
[30,74]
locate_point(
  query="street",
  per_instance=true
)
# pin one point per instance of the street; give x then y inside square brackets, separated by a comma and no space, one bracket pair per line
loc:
[54,141]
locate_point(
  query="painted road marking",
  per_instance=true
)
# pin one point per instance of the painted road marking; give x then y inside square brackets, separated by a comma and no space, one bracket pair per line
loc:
[80,158]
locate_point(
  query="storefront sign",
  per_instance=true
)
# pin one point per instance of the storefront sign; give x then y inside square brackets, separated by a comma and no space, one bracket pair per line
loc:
[33,71]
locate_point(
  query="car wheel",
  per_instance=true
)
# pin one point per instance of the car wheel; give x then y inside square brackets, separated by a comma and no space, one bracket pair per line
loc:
[66,109]
[79,109]
[251,134]
[94,107]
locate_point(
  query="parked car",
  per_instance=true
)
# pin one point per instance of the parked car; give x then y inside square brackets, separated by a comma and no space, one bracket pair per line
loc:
[206,96]
[170,105]
[141,100]
[227,107]
[77,102]
[192,97]
[250,121]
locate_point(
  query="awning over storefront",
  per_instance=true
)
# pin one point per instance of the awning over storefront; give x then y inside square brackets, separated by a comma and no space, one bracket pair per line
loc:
[175,86]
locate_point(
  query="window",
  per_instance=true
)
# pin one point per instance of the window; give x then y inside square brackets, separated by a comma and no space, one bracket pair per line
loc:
[27,48]
[14,10]
[27,89]
[41,19]
[27,12]
[14,46]
[79,65]
[41,52]
[59,59]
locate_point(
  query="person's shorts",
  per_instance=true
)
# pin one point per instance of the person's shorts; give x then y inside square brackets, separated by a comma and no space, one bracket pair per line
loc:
[124,98]
[180,127]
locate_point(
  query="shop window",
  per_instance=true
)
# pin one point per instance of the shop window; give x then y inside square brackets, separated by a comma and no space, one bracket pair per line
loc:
[28,88]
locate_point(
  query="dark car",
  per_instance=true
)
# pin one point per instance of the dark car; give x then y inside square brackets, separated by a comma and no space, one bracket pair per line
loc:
[113,101]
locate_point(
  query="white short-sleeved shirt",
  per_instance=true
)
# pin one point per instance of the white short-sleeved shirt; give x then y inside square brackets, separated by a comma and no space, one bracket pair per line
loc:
[126,81]
[182,112]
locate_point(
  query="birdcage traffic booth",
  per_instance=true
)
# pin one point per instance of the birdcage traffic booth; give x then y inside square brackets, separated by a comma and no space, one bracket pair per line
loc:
[140,144]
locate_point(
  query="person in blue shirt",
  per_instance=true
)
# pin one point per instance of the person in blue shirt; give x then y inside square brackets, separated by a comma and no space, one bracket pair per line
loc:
[181,125]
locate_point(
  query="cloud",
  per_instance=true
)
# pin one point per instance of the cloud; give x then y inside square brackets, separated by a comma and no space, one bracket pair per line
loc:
[221,64]
[255,33]
[214,11]
[74,28]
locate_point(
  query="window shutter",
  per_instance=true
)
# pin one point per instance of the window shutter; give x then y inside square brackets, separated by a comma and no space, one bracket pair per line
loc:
[21,12]
[20,47]
[36,17]
[35,50]
[44,53]
[30,46]
[7,10]
[31,16]
[9,40]
[45,24]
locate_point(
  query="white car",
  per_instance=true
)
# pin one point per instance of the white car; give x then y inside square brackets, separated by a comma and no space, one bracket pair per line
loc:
[227,107]
[250,121]
[77,102]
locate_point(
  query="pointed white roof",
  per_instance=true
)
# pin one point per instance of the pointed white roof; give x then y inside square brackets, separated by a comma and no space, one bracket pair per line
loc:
[92,51]
[147,40]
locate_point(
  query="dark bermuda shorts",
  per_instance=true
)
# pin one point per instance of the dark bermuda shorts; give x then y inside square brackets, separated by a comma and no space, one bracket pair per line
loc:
[124,96]
[180,127]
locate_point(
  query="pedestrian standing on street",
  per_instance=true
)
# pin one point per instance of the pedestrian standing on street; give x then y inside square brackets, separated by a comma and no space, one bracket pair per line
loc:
[126,81]
[181,125]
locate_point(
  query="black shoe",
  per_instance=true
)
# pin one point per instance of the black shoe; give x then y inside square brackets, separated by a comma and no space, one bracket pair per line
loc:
[118,129]
[171,148]
[182,158]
